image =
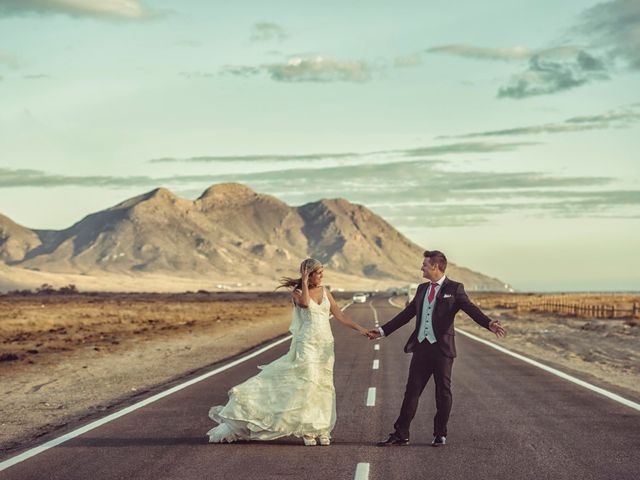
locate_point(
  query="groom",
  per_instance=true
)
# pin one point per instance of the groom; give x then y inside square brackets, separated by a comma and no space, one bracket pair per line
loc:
[432,343]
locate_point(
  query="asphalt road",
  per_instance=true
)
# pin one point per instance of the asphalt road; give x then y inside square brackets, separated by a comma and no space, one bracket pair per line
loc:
[510,420]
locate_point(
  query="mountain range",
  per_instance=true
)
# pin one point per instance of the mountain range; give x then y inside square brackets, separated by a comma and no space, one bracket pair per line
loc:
[229,237]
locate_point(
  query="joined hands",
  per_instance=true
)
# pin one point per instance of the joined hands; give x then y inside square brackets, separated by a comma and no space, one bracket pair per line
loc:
[373,334]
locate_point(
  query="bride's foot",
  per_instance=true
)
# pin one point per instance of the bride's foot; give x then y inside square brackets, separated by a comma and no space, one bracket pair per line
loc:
[324,440]
[309,441]
[221,434]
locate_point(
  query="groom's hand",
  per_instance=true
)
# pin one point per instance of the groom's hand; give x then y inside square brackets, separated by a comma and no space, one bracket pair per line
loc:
[496,327]
[373,334]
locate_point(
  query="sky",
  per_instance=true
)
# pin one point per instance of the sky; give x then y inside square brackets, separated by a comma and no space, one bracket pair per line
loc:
[505,134]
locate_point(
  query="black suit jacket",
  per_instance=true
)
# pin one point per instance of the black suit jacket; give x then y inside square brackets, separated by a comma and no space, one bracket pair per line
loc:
[442,317]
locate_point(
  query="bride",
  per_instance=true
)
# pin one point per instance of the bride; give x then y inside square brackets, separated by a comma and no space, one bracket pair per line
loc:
[293,395]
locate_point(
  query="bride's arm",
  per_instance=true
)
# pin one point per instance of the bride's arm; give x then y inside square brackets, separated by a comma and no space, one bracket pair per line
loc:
[301,297]
[342,317]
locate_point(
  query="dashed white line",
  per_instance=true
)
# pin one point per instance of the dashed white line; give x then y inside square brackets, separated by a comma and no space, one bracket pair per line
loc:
[376,364]
[362,471]
[371,397]
[376,347]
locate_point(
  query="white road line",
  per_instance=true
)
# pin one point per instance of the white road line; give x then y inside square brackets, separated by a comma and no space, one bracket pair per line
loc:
[143,403]
[371,397]
[57,441]
[390,300]
[565,376]
[376,364]
[375,313]
[376,347]
[362,472]
[558,373]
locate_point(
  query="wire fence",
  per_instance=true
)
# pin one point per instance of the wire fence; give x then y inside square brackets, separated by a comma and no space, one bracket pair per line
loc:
[574,309]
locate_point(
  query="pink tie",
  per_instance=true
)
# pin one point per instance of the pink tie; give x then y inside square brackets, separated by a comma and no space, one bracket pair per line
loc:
[432,293]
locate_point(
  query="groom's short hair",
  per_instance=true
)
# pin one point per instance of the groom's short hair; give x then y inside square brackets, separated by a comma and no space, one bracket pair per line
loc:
[437,258]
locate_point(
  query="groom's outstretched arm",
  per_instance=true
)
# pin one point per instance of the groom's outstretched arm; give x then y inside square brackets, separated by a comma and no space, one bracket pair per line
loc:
[477,315]
[401,319]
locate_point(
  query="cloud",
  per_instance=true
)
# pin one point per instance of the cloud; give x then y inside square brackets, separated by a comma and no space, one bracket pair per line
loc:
[243,71]
[254,158]
[550,70]
[316,69]
[11,178]
[484,53]
[614,119]
[508,54]
[611,32]
[196,74]
[267,31]
[615,27]
[561,204]
[428,151]
[406,61]
[319,69]
[413,179]
[123,9]
[406,192]
[9,60]
[545,77]
[465,147]
[626,117]
[430,194]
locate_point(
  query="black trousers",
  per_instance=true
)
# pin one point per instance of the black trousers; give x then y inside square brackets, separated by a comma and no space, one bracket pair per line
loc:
[427,360]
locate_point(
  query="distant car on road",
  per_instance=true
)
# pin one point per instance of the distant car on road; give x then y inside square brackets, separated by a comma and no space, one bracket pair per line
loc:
[359,298]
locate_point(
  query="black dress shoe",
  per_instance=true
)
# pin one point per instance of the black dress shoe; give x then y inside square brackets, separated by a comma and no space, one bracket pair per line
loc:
[439,440]
[393,440]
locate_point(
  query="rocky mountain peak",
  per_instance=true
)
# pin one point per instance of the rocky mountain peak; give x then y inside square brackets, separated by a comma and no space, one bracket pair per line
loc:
[224,192]
[230,232]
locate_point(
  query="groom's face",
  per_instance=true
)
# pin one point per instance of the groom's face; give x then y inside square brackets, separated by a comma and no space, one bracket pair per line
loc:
[429,271]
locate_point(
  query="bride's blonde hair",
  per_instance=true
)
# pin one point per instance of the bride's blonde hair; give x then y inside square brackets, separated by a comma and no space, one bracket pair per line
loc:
[311,264]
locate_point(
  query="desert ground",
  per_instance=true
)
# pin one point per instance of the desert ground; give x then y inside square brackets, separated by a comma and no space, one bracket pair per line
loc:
[68,357]
[604,351]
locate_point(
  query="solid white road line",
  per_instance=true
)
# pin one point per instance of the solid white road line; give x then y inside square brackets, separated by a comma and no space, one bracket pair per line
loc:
[371,397]
[565,376]
[57,441]
[75,433]
[376,364]
[362,471]
[376,347]
[558,373]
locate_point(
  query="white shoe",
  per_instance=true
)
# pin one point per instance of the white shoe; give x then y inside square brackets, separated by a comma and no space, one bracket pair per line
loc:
[309,441]
[324,440]
[221,434]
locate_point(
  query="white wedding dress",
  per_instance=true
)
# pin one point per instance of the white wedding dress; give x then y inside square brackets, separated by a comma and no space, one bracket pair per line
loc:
[293,395]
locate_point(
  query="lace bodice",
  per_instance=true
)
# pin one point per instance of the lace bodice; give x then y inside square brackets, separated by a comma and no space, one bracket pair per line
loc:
[313,321]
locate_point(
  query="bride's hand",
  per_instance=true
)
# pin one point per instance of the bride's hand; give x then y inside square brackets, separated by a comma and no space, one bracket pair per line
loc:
[305,276]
